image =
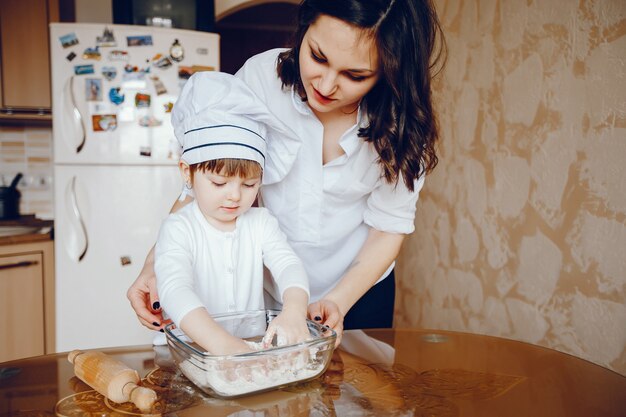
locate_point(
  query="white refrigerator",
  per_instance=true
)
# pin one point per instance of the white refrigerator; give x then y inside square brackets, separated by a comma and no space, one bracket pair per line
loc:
[115,166]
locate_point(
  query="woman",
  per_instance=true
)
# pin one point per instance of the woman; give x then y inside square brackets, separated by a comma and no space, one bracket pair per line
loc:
[356,89]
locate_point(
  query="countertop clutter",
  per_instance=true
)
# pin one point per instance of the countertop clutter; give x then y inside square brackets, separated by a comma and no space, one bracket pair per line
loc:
[395,372]
[25,229]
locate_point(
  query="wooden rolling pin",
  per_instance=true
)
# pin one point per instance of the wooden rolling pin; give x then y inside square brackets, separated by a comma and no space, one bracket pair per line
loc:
[111,378]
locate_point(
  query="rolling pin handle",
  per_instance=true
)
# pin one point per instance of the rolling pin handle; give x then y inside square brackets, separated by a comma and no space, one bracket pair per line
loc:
[73,354]
[143,398]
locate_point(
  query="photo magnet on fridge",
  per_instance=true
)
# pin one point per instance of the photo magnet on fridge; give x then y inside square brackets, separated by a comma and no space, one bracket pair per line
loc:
[145,151]
[118,55]
[142,40]
[142,100]
[83,69]
[68,40]
[92,53]
[70,57]
[93,89]
[158,85]
[134,68]
[107,38]
[149,121]
[115,96]
[103,122]
[185,72]
[109,72]
[161,61]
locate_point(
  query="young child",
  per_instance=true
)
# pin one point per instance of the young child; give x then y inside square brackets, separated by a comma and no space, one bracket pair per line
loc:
[210,254]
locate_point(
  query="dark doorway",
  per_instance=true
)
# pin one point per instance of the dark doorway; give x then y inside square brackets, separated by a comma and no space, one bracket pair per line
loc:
[255,29]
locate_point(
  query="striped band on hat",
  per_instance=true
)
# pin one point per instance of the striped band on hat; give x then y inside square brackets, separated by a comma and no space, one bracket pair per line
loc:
[206,143]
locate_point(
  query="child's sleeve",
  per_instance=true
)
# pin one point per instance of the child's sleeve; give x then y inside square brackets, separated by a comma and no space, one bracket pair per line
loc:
[173,266]
[278,256]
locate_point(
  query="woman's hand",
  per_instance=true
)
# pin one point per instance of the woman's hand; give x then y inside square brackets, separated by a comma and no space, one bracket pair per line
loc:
[143,296]
[327,312]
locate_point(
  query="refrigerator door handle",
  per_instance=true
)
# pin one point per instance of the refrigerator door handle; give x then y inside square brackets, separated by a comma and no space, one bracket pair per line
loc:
[79,217]
[77,115]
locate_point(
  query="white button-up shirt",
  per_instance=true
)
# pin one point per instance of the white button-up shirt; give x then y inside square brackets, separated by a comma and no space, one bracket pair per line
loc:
[198,265]
[326,210]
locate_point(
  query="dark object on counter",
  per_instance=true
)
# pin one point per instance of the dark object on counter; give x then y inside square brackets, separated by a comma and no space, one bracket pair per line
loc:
[10,199]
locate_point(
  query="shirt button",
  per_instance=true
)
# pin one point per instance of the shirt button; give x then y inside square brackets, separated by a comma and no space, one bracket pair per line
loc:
[231,307]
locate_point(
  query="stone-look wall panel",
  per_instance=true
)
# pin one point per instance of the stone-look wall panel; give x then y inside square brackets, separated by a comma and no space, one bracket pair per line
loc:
[521,229]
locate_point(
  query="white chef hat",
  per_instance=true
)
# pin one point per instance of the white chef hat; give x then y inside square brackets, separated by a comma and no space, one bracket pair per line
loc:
[218,116]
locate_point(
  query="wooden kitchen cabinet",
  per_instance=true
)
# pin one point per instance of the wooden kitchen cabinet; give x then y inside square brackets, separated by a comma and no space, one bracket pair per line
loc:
[25,58]
[26,300]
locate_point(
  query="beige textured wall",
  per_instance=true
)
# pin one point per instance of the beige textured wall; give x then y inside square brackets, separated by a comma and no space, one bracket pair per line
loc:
[521,229]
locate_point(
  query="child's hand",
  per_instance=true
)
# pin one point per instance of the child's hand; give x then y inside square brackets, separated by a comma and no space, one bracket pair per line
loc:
[202,329]
[289,327]
[229,345]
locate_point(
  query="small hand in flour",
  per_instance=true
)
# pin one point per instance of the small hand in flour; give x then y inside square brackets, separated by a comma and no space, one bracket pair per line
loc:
[289,327]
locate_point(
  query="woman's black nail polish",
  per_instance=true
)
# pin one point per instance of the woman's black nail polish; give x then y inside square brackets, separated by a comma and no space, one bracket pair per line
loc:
[162,331]
[156,305]
[317,318]
[154,323]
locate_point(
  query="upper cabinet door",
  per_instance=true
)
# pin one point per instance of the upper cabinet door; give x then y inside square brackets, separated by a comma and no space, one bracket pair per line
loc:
[25,53]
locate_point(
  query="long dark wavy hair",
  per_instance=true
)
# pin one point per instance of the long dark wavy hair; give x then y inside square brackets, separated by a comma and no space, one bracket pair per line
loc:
[411,49]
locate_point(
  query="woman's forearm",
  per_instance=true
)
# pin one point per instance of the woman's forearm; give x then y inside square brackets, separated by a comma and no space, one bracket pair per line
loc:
[378,252]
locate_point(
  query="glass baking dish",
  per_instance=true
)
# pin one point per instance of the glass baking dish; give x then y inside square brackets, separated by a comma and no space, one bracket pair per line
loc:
[233,376]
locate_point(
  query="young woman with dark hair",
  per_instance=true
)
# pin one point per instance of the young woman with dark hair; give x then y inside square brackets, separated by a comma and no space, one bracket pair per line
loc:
[356,89]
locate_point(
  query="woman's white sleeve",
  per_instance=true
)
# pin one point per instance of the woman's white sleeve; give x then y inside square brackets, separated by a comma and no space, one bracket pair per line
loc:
[391,208]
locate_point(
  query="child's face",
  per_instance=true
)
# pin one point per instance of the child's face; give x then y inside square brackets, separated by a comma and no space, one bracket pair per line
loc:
[222,199]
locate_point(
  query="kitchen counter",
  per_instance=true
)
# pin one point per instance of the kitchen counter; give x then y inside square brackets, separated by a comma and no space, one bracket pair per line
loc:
[373,373]
[38,230]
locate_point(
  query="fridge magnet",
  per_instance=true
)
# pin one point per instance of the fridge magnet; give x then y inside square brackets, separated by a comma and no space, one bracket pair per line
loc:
[161,61]
[142,40]
[142,100]
[93,89]
[185,72]
[92,53]
[177,52]
[70,57]
[134,68]
[107,38]
[118,55]
[115,96]
[168,107]
[68,40]
[202,51]
[109,72]
[149,121]
[125,260]
[103,122]
[83,69]
[145,151]
[135,80]
[158,85]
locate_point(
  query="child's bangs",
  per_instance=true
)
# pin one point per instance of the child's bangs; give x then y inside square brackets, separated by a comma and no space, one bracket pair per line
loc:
[243,168]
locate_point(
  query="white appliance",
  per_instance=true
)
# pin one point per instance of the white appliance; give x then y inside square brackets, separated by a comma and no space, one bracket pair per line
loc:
[116,174]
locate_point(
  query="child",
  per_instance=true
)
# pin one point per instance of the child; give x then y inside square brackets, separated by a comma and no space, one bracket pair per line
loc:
[209,255]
